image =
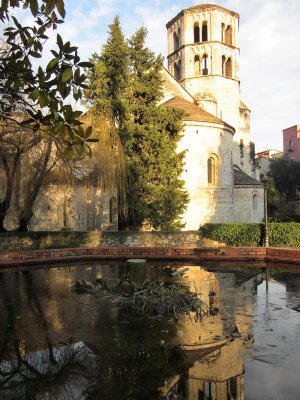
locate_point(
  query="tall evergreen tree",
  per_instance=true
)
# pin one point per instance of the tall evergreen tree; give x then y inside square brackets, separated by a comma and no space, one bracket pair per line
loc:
[131,89]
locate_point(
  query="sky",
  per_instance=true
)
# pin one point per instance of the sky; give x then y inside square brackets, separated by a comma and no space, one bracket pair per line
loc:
[269,43]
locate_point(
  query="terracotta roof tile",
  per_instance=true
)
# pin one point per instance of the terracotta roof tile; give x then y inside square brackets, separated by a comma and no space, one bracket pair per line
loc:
[193,112]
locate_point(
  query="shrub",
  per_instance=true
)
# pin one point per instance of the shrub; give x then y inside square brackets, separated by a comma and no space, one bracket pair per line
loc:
[233,234]
[237,234]
[284,234]
[286,218]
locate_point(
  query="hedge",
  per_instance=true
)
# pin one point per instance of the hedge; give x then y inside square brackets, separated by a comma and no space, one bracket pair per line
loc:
[252,235]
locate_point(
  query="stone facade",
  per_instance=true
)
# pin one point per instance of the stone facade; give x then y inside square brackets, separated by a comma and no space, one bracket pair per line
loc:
[203,58]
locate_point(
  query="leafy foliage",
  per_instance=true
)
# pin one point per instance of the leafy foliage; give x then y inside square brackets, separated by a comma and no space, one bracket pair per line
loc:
[42,93]
[126,84]
[280,234]
[286,175]
[233,234]
[284,234]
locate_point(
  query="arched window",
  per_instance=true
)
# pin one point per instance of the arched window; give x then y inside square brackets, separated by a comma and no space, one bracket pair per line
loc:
[212,170]
[228,35]
[222,32]
[175,41]
[223,64]
[197,65]
[254,202]
[196,32]
[177,70]
[112,209]
[204,64]
[204,32]
[228,68]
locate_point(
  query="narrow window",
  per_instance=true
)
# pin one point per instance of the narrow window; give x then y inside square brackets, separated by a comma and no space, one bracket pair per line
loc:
[212,170]
[291,145]
[175,41]
[222,32]
[196,32]
[254,202]
[228,68]
[204,32]
[204,65]
[223,64]
[177,70]
[228,35]
[197,65]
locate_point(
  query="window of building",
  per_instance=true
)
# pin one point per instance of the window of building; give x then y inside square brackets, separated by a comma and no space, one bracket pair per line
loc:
[228,35]
[204,65]
[177,70]
[197,65]
[228,68]
[291,145]
[175,41]
[204,32]
[196,32]
[223,64]
[254,202]
[222,32]
[212,170]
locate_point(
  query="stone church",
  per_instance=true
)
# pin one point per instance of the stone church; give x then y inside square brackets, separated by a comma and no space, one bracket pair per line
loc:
[203,80]
[220,173]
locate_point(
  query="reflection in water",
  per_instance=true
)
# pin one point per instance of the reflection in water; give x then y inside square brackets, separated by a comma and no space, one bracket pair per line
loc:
[56,344]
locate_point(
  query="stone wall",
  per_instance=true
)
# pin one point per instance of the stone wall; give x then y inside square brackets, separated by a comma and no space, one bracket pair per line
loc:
[12,241]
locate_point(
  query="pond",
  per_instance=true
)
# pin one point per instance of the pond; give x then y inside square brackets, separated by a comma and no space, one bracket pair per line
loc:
[58,344]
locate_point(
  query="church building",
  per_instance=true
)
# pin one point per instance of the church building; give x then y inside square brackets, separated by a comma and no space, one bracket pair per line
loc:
[203,80]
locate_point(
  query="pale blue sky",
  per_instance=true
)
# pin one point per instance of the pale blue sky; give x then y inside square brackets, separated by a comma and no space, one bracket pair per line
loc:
[269,42]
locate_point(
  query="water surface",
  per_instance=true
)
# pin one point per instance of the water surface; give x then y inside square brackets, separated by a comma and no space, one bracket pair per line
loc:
[57,344]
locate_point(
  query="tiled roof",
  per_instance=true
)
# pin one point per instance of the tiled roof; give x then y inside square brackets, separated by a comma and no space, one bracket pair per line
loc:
[242,179]
[193,112]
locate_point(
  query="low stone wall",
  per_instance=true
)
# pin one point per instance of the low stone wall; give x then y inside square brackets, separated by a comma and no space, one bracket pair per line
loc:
[13,241]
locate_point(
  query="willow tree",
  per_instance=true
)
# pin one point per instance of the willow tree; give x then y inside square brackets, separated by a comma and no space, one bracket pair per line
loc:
[126,85]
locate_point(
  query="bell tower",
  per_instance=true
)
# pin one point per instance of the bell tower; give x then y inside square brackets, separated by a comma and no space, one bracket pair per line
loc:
[203,55]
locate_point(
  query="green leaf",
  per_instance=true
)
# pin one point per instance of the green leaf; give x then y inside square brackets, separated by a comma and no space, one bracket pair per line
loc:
[59,41]
[88,132]
[35,94]
[85,64]
[69,153]
[49,6]
[52,64]
[43,99]
[61,8]
[34,7]
[67,75]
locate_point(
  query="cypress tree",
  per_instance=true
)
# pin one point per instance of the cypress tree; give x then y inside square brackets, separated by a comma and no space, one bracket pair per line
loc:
[126,85]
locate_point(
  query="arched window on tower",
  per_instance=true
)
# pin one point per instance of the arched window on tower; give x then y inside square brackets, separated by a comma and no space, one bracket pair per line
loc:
[223,64]
[197,65]
[204,64]
[204,31]
[212,170]
[196,32]
[228,68]
[228,35]
[175,41]
[222,32]
[254,202]
[177,70]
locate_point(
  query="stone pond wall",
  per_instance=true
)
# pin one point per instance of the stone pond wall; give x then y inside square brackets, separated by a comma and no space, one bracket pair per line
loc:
[65,239]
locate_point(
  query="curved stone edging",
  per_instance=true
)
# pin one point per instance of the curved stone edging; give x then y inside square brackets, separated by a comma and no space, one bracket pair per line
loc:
[33,257]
